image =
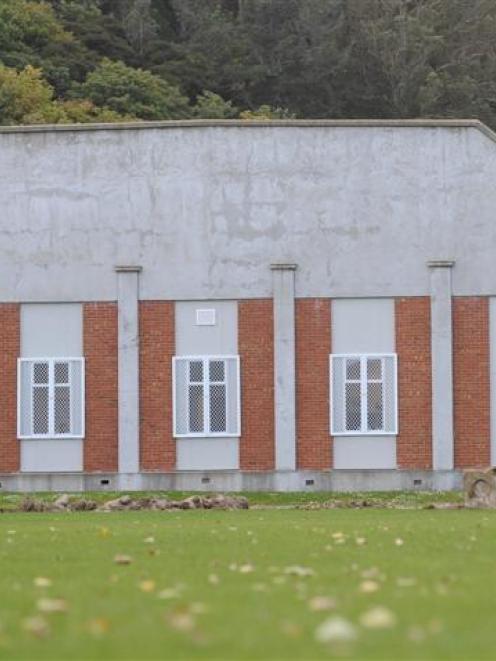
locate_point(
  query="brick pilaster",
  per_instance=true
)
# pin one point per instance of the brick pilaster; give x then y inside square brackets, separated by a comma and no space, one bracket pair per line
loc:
[256,349]
[100,351]
[471,381]
[413,346]
[157,446]
[313,346]
[10,332]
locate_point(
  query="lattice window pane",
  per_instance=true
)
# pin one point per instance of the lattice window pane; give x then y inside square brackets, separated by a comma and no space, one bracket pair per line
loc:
[353,407]
[40,413]
[195,408]
[374,369]
[216,371]
[61,373]
[218,417]
[62,410]
[375,407]
[353,369]
[196,371]
[40,373]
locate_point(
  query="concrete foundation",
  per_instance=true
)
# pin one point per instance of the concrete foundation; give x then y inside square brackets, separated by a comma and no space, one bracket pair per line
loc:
[332,481]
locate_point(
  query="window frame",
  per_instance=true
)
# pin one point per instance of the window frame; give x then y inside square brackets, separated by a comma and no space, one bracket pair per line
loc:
[52,361]
[363,393]
[206,359]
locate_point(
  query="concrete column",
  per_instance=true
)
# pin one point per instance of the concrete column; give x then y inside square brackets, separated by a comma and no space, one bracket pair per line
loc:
[283,279]
[442,365]
[128,360]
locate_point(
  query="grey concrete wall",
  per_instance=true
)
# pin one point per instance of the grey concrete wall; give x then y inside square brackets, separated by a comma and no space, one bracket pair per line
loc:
[51,331]
[363,326]
[206,209]
[207,453]
[219,339]
[192,340]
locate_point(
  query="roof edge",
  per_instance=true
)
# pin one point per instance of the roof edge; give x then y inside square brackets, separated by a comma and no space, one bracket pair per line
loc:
[274,123]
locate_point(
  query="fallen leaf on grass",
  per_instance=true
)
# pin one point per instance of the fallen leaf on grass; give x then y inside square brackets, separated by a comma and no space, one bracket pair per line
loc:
[291,630]
[213,579]
[181,621]
[168,593]
[121,559]
[52,605]
[321,604]
[36,626]
[378,617]
[298,570]
[335,630]
[42,582]
[98,626]
[147,586]
[368,587]
[416,634]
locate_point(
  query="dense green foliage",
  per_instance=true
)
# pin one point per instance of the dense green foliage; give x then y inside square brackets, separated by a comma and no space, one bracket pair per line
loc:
[108,60]
[248,585]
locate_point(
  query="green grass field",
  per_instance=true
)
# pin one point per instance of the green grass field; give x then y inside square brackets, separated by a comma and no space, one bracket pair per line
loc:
[249,584]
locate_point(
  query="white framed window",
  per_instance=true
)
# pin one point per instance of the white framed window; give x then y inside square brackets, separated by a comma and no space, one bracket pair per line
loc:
[363,394]
[206,396]
[50,398]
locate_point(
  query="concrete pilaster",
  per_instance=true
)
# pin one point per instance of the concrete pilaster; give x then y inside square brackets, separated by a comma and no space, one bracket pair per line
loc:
[283,278]
[128,361]
[442,365]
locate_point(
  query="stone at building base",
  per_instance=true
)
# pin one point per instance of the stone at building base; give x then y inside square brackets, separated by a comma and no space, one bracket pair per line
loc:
[237,481]
[480,488]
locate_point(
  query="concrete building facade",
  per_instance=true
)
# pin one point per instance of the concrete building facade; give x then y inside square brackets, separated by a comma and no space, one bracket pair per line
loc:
[290,305]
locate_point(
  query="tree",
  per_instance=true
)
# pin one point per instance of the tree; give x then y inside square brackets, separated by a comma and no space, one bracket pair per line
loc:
[212,106]
[133,91]
[24,95]
[26,98]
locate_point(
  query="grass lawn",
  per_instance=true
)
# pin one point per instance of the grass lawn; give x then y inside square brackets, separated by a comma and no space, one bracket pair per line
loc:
[237,585]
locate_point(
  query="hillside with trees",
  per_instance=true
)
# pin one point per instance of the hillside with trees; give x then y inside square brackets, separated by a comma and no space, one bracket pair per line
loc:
[64,61]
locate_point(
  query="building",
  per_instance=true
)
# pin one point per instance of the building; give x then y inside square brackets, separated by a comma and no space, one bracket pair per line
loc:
[247,305]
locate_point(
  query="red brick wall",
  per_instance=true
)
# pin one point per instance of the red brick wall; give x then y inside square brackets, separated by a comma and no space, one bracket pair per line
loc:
[256,349]
[313,346]
[471,381]
[413,346]
[157,446]
[100,351]
[10,333]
